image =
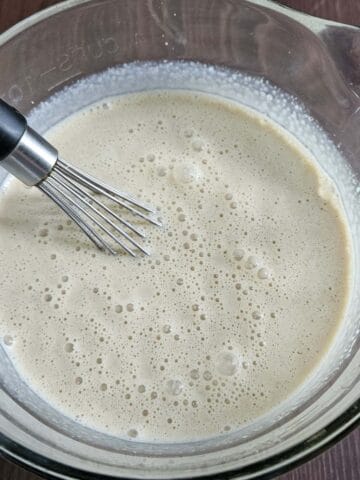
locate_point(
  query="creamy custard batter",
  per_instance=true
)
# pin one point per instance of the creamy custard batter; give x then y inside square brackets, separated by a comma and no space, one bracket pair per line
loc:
[241,298]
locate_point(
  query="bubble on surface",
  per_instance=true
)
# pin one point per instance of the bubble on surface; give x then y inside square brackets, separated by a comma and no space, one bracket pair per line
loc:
[8,340]
[263,273]
[184,174]
[238,254]
[132,433]
[256,315]
[251,262]
[174,387]
[227,363]
[69,347]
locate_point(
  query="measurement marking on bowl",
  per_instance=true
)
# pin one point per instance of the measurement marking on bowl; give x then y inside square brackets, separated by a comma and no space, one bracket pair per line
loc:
[64,80]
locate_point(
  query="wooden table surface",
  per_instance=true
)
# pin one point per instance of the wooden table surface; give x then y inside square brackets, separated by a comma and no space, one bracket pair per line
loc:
[342,462]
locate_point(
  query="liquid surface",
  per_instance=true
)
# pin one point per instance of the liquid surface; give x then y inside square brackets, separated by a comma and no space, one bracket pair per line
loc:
[242,295]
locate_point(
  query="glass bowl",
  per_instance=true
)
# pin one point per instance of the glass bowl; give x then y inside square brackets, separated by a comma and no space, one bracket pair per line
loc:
[317,62]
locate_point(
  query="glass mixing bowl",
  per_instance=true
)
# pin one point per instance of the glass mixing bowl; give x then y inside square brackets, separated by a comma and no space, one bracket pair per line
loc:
[314,60]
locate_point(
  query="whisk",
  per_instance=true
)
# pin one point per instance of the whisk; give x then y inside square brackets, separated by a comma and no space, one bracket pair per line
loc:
[29,157]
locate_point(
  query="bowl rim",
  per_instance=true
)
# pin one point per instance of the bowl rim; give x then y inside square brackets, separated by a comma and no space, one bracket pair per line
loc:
[263,470]
[281,463]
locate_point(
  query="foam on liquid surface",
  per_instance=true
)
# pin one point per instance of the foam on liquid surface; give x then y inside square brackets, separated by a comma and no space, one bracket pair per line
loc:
[242,295]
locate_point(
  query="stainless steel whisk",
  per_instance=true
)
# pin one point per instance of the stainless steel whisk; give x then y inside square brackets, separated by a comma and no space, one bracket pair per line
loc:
[29,157]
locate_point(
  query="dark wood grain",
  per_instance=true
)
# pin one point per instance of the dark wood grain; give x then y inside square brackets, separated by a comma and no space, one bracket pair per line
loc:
[342,462]
[12,11]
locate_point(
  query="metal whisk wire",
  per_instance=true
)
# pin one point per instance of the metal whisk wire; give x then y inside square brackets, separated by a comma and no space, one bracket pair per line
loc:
[70,188]
[35,162]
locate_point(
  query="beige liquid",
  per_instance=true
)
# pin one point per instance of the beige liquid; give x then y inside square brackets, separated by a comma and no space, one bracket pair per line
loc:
[241,298]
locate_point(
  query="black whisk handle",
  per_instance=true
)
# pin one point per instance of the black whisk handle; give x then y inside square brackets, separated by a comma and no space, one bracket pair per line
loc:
[12,127]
